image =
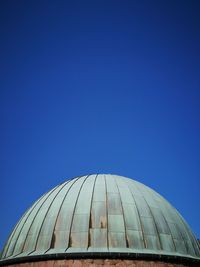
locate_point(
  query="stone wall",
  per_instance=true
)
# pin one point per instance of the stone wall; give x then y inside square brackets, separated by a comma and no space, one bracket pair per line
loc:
[99,263]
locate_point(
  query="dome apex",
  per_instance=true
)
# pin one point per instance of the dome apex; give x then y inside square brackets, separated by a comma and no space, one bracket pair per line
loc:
[97,214]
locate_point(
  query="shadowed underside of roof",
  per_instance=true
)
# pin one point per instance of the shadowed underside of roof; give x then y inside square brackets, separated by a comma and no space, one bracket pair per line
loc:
[101,214]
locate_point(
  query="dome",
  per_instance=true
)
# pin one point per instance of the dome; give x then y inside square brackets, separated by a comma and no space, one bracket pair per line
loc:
[101,215]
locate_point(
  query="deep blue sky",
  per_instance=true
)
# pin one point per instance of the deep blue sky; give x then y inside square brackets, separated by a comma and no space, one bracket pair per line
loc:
[99,86]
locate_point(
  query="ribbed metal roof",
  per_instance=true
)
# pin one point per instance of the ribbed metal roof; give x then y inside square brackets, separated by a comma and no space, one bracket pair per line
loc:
[101,214]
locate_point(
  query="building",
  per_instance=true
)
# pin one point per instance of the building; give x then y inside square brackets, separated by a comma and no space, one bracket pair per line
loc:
[101,220]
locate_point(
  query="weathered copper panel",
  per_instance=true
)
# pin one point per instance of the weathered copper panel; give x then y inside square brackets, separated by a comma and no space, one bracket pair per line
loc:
[81,218]
[180,246]
[60,239]
[99,193]
[124,191]
[142,206]
[98,215]
[135,239]
[131,222]
[34,230]
[116,240]
[79,240]
[167,242]
[80,223]
[111,186]
[116,223]
[160,221]
[65,215]
[114,204]
[98,238]
[20,235]
[152,242]
[101,214]
[148,226]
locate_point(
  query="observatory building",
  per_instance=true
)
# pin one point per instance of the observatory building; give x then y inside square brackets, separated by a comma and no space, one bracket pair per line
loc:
[101,220]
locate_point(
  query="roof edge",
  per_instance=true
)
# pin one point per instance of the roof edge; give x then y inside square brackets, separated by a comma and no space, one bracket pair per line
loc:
[102,255]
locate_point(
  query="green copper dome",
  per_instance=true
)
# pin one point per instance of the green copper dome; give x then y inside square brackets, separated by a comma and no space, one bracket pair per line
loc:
[101,215]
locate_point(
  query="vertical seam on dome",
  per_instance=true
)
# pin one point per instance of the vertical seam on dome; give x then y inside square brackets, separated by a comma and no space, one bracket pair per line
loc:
[72,217]
[47,196]
[47,213]
[187,230]
[167,225]
[163,199]
[177,229]
[142,230]
[26,213]
[126,238]
[197,252]
[71,180]
[31,210]
[106,193]
[198,245]
[7,245]
[152,218]
[169,230]
[89,235]
[186,246]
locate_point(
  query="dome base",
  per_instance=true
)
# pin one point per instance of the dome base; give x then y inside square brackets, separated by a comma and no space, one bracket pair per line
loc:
[102,263]
[82,260]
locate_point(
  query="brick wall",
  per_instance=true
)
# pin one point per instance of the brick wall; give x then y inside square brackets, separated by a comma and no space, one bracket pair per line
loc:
[99,263]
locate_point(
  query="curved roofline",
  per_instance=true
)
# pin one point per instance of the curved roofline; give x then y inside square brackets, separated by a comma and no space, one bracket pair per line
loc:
[101,215]
[102,255]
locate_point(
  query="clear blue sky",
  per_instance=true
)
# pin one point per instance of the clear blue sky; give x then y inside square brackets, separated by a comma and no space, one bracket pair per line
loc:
[99,87]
